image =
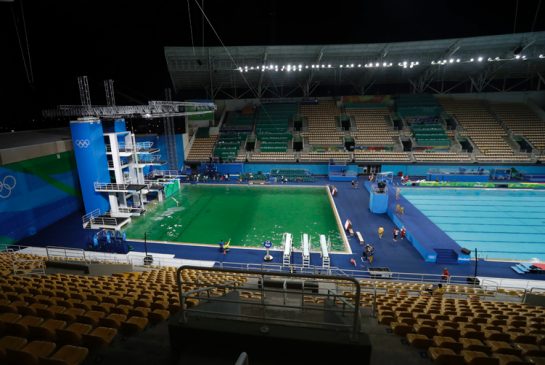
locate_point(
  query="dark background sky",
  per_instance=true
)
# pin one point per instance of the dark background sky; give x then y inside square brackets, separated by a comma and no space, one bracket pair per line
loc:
[124,40]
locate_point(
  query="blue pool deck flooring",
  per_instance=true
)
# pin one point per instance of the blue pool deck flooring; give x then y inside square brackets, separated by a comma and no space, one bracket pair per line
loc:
[398,256]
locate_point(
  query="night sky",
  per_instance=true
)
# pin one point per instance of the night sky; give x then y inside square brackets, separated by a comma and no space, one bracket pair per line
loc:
[124,40]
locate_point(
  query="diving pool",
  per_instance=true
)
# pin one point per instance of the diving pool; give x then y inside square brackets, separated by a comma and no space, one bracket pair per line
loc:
[500,224]
[245,215]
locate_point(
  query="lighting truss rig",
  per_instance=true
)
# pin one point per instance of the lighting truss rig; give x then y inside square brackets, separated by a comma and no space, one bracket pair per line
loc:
[154,109]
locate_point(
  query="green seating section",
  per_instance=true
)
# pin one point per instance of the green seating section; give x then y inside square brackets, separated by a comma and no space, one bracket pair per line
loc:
[228,145]
[430,134]
[417,105]
[237,121]
[272,124]
[298,175]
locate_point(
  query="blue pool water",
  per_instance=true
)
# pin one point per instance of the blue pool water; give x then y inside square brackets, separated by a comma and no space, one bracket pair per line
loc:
[501,224]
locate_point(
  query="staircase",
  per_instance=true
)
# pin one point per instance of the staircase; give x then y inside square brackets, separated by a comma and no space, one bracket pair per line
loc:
[446,256]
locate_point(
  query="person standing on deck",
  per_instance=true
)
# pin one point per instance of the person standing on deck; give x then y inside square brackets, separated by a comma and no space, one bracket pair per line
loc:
[380,231]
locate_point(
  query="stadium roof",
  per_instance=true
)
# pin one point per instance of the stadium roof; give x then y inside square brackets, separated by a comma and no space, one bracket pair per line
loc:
[427,66]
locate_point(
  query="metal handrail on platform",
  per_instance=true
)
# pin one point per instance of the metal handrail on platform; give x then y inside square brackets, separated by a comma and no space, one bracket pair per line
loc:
[256,281]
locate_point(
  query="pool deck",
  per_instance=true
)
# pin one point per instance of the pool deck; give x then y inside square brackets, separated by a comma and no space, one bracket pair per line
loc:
[398,256]
[421,231]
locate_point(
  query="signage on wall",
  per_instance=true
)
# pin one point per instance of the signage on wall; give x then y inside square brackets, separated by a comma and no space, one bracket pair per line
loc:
[7,184]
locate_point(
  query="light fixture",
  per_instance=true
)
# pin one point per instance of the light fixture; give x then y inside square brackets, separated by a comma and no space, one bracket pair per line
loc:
[480,59]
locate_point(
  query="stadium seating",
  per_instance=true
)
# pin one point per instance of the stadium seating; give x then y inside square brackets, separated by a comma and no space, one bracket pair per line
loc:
[485,131]
[372,130]
[73,314]
[521,120]
[202,148]
[272,125]
[322,123]
[470,330]
[272,156]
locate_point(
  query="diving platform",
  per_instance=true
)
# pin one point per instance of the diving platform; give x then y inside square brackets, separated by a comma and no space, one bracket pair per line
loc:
[119,188]
[95,220]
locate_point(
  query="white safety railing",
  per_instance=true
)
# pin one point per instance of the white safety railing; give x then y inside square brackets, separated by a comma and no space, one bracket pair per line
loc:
[109,187]
[287,241]
[305,245]
[165,173]
[325,253]
[89,217]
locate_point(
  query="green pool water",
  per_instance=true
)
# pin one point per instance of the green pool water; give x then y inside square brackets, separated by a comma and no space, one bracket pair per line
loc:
[248,215]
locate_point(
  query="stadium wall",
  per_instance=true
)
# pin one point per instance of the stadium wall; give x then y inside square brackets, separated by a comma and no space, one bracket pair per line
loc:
[35,193]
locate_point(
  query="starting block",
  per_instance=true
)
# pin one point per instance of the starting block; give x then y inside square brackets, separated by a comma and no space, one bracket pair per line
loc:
[360,238]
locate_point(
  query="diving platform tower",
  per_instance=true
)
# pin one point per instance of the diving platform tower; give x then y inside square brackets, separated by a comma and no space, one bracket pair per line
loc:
[111,169]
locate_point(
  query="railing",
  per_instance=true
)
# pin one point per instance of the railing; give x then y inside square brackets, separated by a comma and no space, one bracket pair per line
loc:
[109,187]
[294,290]
[89,216]
[165,173]
[149,159]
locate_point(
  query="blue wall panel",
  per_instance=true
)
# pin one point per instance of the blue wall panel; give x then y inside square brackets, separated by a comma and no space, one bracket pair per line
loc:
[36,193]
[90,152]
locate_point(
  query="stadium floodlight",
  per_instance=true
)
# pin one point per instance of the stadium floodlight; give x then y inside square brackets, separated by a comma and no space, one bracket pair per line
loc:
[377,64]
[457,60]
[323,66]
[471,60]
[451,60]
[329,66]
[359,64]
[480,59]
[341,66]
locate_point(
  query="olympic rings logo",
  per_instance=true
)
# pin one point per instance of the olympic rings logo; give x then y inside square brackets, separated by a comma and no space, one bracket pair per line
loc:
[82,143]
[7,184]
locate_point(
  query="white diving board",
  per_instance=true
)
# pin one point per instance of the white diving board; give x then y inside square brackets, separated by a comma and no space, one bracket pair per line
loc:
[305,243]
[287,241]
[360,238]
[325,253]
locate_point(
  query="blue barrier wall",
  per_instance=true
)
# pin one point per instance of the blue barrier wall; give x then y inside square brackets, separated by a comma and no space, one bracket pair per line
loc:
[90,152]
[405,169]
[265,168]
[422,170]
[36,193]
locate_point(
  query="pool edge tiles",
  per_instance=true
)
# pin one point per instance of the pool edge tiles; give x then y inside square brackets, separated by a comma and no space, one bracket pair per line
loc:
[243,237]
